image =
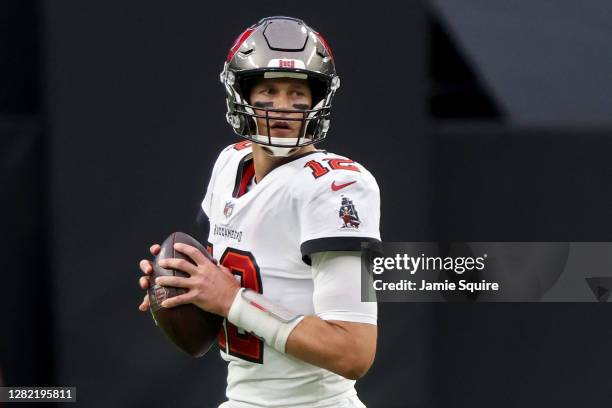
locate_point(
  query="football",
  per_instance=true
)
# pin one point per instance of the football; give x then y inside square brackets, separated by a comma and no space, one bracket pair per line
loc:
[190,328]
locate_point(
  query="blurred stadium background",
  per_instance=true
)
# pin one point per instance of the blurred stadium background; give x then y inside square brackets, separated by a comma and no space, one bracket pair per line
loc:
[482,120]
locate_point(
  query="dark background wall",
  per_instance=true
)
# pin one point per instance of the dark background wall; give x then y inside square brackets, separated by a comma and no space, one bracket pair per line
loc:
[27,326]
[120,116]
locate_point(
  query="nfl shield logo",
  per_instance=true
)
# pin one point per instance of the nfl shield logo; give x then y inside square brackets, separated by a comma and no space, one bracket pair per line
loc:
[228,209]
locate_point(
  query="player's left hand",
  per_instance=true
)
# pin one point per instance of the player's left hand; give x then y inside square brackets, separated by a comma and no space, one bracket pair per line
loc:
[210,287]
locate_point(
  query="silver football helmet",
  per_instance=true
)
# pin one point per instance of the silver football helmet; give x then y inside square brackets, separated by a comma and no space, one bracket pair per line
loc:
[279,47]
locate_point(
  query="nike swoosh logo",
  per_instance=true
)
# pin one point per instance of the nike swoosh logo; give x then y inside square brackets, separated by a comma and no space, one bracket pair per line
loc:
[336,187]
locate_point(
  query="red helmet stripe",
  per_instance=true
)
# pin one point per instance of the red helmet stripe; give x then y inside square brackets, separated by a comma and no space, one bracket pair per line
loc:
[241,38]
[327,47]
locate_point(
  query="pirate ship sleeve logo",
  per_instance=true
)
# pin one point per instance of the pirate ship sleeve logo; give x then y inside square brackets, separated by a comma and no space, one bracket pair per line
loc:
[348,214]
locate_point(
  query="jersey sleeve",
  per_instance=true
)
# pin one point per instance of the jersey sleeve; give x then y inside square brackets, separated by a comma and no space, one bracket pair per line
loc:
[340,213]
[219,163]
[207,201]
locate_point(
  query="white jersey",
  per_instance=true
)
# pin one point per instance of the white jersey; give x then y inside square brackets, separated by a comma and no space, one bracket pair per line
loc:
[316,202]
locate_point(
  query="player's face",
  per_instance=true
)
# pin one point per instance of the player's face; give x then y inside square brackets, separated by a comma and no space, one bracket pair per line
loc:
[281,93]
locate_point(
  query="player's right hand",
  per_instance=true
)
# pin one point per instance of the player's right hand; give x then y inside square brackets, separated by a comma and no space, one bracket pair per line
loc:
[146,266]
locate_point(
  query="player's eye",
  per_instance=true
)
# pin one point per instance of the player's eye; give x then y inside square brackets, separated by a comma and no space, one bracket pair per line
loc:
[268,91]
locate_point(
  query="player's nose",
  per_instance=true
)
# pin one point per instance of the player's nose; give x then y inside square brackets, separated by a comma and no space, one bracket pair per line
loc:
[283,102]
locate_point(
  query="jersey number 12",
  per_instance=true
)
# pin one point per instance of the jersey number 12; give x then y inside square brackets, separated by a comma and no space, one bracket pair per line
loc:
[234,340]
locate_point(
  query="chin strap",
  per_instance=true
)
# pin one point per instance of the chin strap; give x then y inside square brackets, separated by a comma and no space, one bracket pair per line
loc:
[279,151]
[275,150]
[257,315]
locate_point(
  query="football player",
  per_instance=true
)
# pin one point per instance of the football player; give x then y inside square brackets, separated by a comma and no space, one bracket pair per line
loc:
[286,225]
